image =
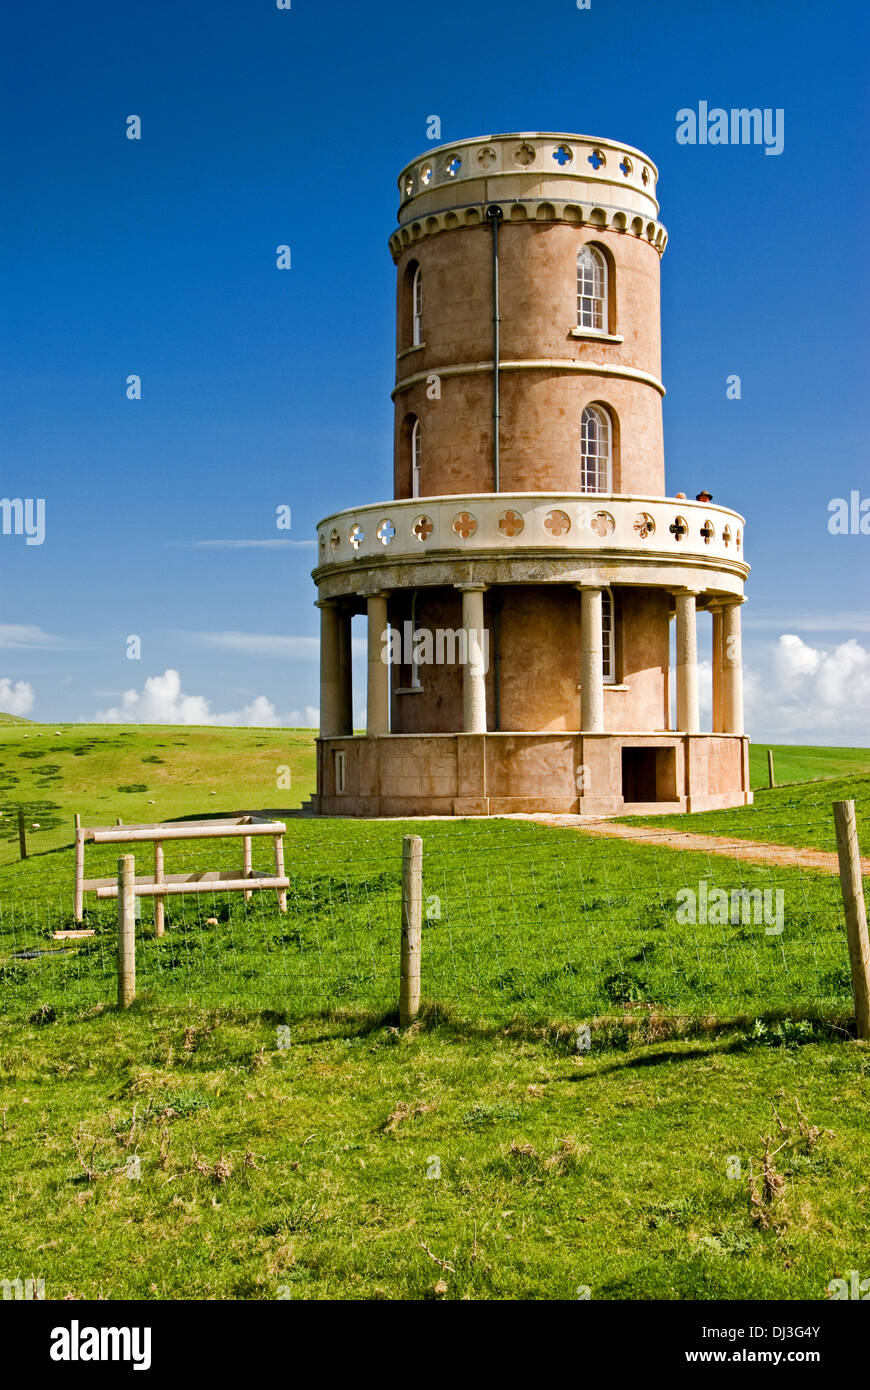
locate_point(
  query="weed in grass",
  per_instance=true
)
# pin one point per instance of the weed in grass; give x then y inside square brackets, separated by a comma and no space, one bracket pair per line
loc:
[483,1115]
[404,1111]
[766,1190]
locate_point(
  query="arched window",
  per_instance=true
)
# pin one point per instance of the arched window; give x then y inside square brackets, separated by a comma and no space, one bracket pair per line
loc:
[596,436]
[416,458]
[591,290]
[608,645]
[417,301]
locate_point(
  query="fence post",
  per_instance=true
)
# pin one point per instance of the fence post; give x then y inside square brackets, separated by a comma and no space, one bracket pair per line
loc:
[126,931]
[849,856]
[22,834]
[79,898]
[771,780]
[412,923]
[159,900]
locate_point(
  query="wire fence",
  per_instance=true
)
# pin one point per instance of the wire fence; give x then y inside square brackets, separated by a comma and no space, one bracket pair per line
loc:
[31,828]
[520,919]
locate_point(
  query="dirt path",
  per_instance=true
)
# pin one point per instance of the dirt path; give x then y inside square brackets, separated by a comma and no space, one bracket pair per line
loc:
[788,855]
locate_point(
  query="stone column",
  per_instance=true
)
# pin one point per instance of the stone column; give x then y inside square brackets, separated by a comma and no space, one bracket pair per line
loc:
[345,669]
[335,674]
[474,671]
[378,701]
[732,670]
[717,670]
[591,674]
[688,720]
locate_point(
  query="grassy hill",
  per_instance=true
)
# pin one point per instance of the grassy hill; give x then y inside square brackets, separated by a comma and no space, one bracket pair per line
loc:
[805,763]
[143,773]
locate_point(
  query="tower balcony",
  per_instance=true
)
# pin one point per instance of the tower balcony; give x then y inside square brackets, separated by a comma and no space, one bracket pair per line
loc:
[534,537]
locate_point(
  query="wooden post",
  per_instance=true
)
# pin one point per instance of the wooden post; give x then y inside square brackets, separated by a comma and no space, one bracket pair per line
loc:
[79,902]
[412,924]
[279,872]
[159,902]
[126,931]
[849,856]
[771,780]
[247,863]
[22,834]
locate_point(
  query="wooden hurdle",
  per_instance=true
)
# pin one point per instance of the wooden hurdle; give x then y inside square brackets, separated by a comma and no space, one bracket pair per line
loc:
[161,885]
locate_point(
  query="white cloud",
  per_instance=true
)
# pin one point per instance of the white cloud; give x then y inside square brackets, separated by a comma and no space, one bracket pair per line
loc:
[810,694]
[14,636]
[260,643]
[842,621]
[162,701]
[268,643]
[16,699]
[278,544]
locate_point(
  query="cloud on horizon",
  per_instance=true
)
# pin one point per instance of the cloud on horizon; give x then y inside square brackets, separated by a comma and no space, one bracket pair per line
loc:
[162,701]
[17,698]
[804,693]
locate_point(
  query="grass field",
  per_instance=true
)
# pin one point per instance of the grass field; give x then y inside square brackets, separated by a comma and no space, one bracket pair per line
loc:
[287,1137]
[143,774]
[308,1168]
[804,764]
[524,917]
[800,814]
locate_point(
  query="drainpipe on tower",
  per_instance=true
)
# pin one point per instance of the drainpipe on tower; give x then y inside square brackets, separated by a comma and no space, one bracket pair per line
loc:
[494,215]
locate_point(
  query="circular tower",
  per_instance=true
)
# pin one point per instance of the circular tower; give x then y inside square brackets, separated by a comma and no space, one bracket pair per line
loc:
[519,585]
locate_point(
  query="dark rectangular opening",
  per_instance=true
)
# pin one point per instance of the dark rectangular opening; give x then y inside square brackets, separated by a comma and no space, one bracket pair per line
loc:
[649,774]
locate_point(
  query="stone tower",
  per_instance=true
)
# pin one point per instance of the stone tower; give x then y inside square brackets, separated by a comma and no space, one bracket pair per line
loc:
[519,585]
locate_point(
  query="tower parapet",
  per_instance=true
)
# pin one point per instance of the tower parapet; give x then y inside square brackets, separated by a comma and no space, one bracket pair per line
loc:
[533,176]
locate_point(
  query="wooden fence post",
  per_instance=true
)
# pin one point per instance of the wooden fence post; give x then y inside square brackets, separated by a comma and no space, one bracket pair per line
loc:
[849,856]
[771,780]
[126,931]
[247,863]
[279,871]
[79,898]
[159,901]
[412,924]
[22,834]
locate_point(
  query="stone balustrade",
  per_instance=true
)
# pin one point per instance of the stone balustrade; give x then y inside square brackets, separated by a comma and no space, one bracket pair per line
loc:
[513,523]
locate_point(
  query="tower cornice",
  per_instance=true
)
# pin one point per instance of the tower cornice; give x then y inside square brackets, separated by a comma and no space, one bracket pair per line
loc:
[531,176]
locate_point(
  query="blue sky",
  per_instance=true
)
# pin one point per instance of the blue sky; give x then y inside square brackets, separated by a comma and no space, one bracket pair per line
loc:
[262,388]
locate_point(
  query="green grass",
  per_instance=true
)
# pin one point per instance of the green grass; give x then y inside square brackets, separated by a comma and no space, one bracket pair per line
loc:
[521,917]
[142,774]
[297,1168]
[284,1127]
[800,815]
[805,763]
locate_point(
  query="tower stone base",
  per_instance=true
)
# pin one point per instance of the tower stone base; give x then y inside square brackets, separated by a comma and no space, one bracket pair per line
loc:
[497,774]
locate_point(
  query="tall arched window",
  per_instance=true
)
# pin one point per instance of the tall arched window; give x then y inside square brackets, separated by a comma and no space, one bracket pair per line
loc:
[416,458]
[417,299]
[595,450]
[591,289]
[608,646]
